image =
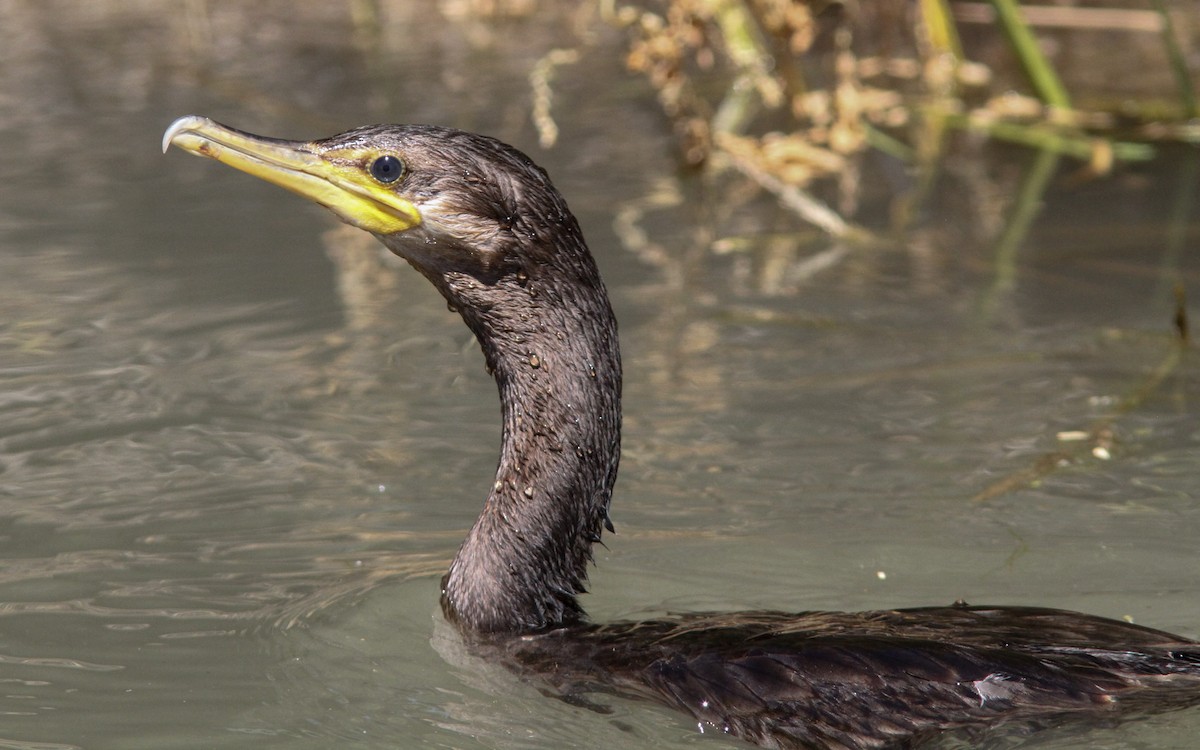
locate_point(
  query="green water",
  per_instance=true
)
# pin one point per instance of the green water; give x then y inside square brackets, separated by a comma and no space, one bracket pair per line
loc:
[237,447]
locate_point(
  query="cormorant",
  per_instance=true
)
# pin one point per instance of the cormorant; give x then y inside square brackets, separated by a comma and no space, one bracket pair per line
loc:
[484,224]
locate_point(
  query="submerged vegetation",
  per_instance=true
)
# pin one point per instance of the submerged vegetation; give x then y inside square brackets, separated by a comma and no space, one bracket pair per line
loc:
[792,92]
[794,95]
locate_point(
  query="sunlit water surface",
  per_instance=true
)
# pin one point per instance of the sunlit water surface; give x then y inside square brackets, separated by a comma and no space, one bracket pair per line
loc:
[238,447]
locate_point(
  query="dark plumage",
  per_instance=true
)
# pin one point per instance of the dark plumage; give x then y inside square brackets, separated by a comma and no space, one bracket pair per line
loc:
[502,247]
[483,223]
[887,679]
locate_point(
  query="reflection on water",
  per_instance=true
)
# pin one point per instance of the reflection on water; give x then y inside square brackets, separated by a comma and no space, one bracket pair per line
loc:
[238,446]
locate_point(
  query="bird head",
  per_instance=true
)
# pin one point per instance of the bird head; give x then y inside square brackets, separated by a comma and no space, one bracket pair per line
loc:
[446,200]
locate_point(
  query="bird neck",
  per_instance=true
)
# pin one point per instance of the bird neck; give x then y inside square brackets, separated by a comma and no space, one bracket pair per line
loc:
[550,340]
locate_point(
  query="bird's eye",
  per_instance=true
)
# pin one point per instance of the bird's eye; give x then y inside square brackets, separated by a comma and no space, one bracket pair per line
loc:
[387,169]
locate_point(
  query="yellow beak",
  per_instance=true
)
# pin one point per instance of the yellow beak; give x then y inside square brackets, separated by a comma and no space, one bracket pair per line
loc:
[339,180]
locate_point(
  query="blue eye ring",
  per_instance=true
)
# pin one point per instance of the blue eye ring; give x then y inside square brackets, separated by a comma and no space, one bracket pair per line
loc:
[387,169]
